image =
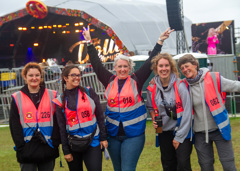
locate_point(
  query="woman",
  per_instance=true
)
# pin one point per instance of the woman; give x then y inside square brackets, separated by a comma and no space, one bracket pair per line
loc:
[168,96]
[212,40]
[125,113]
[33,124]
[79,114]
[211,122]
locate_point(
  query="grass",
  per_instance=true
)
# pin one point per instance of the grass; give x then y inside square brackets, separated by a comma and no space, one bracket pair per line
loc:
[149,159]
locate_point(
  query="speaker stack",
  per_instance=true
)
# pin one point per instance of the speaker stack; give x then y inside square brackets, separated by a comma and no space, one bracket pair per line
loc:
[174,15]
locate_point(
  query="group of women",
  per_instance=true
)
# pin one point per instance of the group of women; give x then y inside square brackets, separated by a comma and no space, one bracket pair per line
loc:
[40,120]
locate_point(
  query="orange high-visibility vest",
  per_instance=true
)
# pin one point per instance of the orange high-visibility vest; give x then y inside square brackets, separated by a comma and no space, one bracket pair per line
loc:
[215,100]
[32,118]
[125,106]
[179,108]
[82,121]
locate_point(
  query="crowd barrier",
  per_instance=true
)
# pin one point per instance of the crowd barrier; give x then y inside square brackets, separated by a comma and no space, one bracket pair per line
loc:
[12,81]
[52,79]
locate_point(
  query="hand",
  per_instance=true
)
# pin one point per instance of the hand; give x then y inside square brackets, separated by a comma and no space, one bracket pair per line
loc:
[104,144]
[165,35]
[175,144]
[68,157]
[86,33]
[155,124]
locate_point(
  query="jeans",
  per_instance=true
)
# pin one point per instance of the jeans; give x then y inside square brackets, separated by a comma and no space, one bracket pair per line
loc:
[125,152]
[206,155]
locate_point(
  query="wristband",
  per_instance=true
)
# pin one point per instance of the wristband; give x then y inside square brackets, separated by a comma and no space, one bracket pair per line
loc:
[160,40]
[89,42]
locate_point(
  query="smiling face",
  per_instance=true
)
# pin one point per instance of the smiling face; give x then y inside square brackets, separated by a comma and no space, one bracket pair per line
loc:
[122,69]
[189,70]
[163,69]
[73,78]
[33,78]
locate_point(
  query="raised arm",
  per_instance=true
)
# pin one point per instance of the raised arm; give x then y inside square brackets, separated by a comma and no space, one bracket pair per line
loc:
[144,71]
[102,73]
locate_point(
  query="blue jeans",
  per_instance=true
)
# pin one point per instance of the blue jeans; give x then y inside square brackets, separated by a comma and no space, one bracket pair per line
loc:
[125,152]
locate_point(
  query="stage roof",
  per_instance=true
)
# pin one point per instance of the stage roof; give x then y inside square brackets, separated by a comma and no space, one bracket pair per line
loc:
[137,24]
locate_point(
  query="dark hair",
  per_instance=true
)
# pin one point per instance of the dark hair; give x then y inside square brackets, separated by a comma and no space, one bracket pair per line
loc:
[32,65]
[188,58]
[65,72]
[168,57]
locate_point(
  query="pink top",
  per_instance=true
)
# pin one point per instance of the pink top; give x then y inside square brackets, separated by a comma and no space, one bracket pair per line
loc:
[212,41]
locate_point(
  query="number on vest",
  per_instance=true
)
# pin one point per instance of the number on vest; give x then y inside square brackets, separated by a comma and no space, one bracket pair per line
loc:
[127,100]
[45,114]
[85,114]
[214,101]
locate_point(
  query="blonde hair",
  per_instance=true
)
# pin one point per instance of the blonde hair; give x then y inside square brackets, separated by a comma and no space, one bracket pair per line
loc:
[168,57]
[131,64]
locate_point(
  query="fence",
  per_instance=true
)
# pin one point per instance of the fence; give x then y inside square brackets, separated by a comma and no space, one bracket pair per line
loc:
[53,81]
[12,81]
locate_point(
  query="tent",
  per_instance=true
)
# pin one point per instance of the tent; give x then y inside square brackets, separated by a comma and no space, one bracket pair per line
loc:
[132,25]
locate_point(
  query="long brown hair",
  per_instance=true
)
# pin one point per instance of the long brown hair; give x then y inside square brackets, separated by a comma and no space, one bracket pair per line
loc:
[65,72]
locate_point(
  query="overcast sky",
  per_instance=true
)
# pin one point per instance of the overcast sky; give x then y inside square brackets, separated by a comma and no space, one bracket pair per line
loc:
[196,10]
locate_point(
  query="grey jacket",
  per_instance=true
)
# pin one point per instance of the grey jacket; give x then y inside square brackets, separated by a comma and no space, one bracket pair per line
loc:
[203,120]
[169,96]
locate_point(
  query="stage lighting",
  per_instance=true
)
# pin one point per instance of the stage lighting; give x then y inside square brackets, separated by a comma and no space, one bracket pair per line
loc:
[19,28]
[35,44]
[32,27]
[59,26]
[40,27]
[24,28]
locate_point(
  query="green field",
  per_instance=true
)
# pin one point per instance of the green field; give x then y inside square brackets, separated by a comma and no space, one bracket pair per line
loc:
[149,160]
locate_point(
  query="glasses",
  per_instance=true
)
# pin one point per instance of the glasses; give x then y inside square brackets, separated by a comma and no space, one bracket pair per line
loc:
[75,75]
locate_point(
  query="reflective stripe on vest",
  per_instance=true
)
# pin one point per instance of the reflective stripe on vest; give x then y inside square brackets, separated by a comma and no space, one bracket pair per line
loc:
[82,121]
[125,106]
[152,88]
[215,102]
[31,118]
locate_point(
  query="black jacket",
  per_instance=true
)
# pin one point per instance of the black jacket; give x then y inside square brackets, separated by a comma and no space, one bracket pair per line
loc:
[34,150]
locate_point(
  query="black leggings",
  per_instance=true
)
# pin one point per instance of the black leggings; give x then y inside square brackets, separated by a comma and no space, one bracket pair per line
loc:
[92,158]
